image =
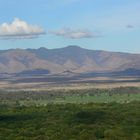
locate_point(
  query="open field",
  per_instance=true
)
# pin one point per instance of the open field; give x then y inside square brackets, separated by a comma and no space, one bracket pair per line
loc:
[63,96]
[68,82]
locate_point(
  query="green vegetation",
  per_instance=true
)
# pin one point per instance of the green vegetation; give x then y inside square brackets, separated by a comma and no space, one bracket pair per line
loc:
[44,97]
[111,121]
[94,114]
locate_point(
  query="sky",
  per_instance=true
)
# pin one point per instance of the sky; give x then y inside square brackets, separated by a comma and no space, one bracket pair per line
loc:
[112,25]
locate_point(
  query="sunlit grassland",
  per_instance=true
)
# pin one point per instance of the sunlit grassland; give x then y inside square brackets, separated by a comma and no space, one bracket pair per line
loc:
[44,97]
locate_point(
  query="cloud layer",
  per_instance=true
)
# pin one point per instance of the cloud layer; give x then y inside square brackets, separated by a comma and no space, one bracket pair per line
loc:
[19,29]
[74,34]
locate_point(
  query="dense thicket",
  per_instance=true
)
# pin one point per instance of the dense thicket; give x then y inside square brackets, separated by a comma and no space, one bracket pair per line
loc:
[111,121]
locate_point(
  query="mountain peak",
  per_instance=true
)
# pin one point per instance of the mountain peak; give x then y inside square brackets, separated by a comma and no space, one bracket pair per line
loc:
[42,48]
[73,47]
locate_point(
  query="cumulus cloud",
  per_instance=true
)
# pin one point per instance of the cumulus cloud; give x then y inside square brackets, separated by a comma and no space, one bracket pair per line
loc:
[74,34]
[20,29]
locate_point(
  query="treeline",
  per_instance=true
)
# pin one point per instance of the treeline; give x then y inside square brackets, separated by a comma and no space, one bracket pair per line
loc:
[14,97]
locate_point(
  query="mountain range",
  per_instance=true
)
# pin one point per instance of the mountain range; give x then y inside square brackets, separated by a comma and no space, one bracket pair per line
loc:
[71,59]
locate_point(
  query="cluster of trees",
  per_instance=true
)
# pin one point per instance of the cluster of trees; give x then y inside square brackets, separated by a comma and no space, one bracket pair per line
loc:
[71,122]
[14,97]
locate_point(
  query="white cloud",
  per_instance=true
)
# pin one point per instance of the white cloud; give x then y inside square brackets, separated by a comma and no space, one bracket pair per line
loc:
[19,29]
[74,34]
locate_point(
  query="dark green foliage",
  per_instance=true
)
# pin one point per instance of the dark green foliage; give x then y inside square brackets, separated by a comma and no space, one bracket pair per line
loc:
[89,117]
[71,122]
[36,115]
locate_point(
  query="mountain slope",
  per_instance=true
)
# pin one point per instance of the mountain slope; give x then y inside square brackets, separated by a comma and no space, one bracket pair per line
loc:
[71,58]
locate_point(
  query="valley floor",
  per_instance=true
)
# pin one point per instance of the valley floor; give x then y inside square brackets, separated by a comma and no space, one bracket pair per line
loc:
[66,82]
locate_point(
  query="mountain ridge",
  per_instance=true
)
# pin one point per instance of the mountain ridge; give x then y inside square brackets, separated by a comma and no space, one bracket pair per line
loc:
[71,58]
[66,47]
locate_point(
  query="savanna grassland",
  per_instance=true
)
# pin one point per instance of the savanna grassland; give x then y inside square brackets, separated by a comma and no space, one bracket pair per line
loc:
[90,114]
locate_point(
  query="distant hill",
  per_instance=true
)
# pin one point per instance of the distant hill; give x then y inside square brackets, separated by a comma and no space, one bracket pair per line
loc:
[71,59]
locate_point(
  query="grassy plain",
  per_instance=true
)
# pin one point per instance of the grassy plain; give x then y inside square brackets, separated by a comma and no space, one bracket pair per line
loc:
[63,96]
[79,111]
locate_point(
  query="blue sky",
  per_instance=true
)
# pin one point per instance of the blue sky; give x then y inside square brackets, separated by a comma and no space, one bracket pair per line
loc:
[112,25]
